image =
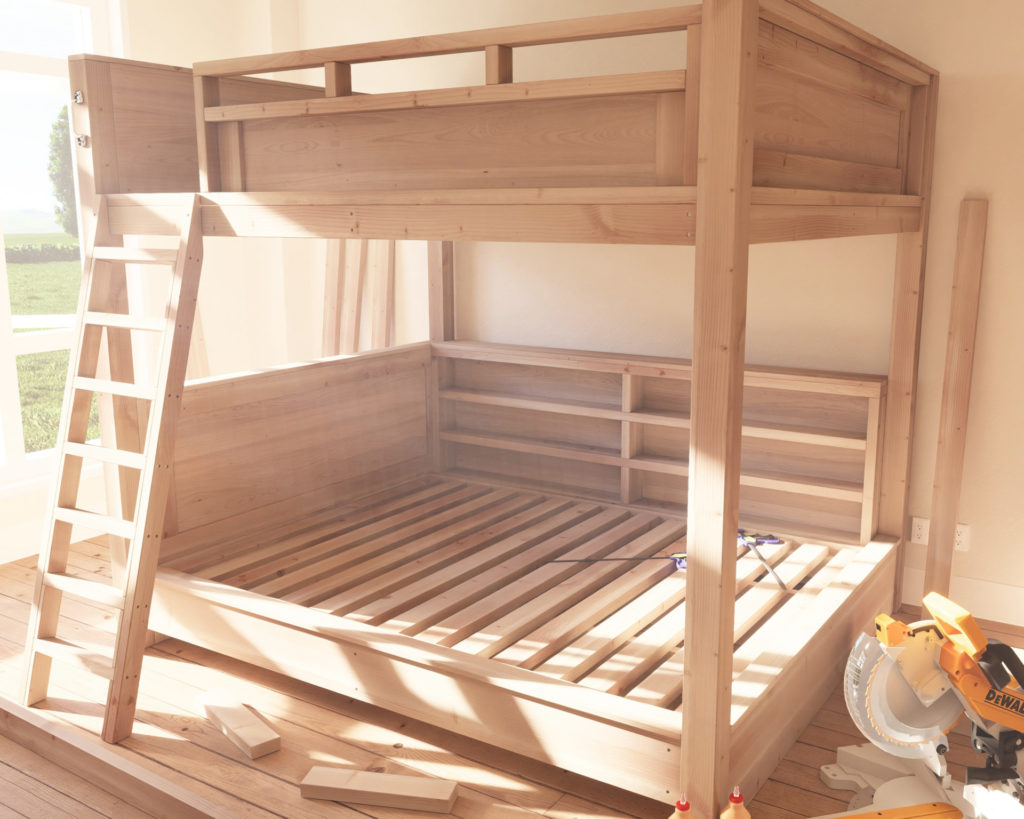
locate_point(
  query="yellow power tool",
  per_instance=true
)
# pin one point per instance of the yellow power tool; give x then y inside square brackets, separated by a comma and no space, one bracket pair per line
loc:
[909,684]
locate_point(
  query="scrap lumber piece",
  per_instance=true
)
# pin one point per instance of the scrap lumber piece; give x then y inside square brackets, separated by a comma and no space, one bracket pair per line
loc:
[381,789]
[241,725]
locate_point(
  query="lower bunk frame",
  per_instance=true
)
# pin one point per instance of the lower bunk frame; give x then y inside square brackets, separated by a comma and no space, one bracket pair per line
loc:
[784,664]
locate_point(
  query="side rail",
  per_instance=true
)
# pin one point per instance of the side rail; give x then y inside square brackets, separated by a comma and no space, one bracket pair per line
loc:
[617,429]
[621,118]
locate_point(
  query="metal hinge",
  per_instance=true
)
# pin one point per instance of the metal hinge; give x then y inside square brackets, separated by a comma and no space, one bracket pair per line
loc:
[78,97]
[81,140]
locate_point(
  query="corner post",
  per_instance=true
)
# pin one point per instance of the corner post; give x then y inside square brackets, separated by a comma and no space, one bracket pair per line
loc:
[724,178]
[905,338]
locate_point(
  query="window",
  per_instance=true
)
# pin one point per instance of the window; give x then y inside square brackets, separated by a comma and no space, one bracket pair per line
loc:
[40,270]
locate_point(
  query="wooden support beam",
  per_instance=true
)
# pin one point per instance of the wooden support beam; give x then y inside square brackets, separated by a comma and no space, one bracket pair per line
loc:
[441,290]
[725,168]
[905,337]
[380,271]
[692,103]
[337,79]
[207,93]
[499,64]
[956,393]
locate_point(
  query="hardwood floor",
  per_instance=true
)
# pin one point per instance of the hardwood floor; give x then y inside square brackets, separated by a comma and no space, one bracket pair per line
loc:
[176,745]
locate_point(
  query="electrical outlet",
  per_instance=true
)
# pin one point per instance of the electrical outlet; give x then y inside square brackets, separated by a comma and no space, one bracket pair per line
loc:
[962,538]
[919,530]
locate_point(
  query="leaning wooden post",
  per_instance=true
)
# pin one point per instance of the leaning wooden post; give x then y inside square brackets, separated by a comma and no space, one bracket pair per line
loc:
[725,168]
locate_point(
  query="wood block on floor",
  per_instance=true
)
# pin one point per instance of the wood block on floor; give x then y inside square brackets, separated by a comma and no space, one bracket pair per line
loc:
[385,790]
[241,726]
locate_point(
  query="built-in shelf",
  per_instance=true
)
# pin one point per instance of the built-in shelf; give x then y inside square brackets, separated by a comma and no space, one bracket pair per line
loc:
[813,463]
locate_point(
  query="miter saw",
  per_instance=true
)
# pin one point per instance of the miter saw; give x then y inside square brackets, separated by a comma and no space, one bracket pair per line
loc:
[906,686]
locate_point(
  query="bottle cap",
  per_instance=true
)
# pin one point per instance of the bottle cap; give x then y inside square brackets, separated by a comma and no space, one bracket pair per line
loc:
[736,797]
[682,804]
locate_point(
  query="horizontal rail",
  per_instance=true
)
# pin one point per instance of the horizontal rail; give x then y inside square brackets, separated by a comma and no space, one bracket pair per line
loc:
[799,380]
[653,21]
[642,83]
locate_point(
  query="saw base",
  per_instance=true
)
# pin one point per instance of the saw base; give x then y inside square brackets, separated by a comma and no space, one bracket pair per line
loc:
[887,783]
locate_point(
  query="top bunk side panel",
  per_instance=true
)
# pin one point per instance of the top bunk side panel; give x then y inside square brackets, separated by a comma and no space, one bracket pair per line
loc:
[606,141]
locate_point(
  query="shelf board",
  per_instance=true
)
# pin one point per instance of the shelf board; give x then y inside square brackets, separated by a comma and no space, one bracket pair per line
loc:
[666,418]
[802,485]
[549,488]
[563,406]
[575,452]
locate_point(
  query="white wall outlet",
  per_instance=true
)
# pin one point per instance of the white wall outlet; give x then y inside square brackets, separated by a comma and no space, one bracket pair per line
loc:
[919,530]
[962,538]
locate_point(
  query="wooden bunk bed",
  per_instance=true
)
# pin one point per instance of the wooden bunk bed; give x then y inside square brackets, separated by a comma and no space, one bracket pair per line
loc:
[465,532]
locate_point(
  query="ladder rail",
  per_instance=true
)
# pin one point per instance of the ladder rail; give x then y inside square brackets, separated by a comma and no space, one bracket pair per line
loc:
[144,552]
[138,443]
[42,620]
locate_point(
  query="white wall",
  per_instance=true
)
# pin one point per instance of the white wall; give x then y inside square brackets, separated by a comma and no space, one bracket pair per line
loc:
[815,304]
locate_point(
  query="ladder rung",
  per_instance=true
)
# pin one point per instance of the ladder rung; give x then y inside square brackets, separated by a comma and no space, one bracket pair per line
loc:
[128,322]
[83,589]
[121,457]
[136,255]
[67,652]
[94,521]
[113,387]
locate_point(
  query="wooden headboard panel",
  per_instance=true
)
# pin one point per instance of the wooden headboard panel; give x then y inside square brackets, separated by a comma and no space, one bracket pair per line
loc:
[825,121]
[255,450]
[138,120]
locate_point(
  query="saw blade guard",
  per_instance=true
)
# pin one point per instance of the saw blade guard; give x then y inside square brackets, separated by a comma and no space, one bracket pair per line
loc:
[888,712]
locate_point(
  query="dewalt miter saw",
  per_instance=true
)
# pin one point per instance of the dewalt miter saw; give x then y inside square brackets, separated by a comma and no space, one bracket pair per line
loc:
[906,686]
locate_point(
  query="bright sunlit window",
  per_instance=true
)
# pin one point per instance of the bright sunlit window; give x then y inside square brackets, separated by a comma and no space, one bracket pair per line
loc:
[40,270]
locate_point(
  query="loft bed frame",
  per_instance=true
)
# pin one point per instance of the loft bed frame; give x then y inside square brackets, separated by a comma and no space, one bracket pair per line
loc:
[396,525]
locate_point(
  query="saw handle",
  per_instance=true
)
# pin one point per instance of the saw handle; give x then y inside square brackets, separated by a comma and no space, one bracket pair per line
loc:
[1000,662]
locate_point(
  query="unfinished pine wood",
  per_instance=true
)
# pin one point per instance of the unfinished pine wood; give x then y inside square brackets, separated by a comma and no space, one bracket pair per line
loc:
[802,447]
[830,30]
[243,727]
[956,393]
[255,425]
[598,141]
[371,788]
[725,163]
[479,571]
[559,31]
[499,91]
[441,290]
[178,750]
[905,339]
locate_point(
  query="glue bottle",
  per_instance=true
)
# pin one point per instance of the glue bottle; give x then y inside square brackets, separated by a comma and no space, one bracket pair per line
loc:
[735,809]
[682,810]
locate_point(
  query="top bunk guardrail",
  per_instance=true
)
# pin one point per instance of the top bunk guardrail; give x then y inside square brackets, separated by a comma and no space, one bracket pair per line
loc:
[842,127]
[835,110]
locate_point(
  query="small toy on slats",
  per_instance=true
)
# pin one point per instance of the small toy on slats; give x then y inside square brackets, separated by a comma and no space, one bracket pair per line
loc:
[679,558]
[756,539]
[751,541]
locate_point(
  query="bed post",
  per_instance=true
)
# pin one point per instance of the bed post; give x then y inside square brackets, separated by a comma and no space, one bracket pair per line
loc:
[905,337]
[725,167]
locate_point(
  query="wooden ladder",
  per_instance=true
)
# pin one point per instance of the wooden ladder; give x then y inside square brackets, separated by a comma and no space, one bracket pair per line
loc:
[144,417]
